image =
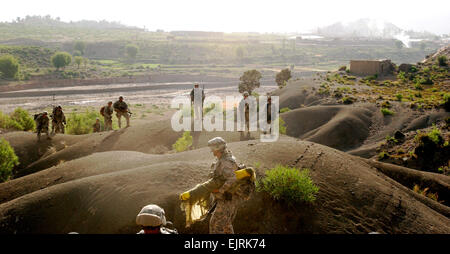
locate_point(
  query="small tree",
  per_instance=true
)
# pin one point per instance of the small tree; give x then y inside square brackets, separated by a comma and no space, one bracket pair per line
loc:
[8,159]
[9,67]
[282,77]
[61,59]
[79,60]
[442,61]
[132,51]
[79,46]
[249,81]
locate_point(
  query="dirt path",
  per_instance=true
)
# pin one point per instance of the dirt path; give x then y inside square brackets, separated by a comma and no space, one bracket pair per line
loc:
[95,95]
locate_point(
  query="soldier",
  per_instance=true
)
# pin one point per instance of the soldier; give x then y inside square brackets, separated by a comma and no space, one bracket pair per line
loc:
[97,126]
[197,99]
[58,120]
[269,115]
[42,122]
[246,104]
[121,109]
[229,188]
[152,219]
[107,112]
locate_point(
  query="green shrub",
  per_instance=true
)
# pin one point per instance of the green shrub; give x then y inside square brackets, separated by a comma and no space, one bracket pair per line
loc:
[401,75]
[183,143]
[386,104]
[342,68]
[81,123]
[9,67]
[391,139]
[373,77]
[442,61]
[383,155]
[386,111]
[7,123]
[425,192]
[435,136]
[283,127]
[347,100]
[399,97]
[22,117]
[446,98]
[289,184]
[8,160]
[284,110]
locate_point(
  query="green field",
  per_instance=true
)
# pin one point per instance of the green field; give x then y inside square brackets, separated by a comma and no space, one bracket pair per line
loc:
[33,40]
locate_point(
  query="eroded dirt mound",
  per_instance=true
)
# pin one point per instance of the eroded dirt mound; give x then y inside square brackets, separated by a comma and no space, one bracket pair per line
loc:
[341,127]
[431,59]
[297,94]
[29,150]
[105,197]
[153,138]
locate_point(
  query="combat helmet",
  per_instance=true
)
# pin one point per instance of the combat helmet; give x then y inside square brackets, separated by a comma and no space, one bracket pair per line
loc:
[151,216]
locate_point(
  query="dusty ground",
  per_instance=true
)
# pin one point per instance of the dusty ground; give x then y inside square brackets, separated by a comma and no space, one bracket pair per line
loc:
[102,192]
[96,183]
[153,93]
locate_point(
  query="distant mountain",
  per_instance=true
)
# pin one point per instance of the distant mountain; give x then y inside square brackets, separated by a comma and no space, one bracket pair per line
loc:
[368,28]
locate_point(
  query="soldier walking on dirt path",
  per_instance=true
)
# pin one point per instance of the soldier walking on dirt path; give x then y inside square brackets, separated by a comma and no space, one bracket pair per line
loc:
[107,113]
[42,122]
[197,99]
[121,109]
[269,115]
[246,105]
[58,120]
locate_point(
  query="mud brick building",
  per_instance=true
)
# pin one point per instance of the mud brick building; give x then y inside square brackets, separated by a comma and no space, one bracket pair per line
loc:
[371,67]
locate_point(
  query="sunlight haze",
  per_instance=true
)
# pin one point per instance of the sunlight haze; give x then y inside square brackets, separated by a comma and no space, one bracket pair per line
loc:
[239,16]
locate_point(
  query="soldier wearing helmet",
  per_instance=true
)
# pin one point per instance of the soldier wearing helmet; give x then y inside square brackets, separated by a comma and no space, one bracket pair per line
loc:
[58,120]
[245,104]
[228,191]
[97,126]
[42,122]
[121,109]
[107,113]
[152,219]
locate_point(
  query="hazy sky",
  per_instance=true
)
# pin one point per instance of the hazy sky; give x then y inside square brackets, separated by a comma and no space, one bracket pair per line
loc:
[239,15]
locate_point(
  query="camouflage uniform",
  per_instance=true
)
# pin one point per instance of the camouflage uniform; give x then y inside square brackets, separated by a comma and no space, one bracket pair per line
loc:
[107,115]
[97,127]
[245,103]
[226,202]
[121,109]
[42,125]
[58,121]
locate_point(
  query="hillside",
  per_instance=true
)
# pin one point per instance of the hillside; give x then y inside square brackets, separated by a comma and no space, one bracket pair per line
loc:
[353,198]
